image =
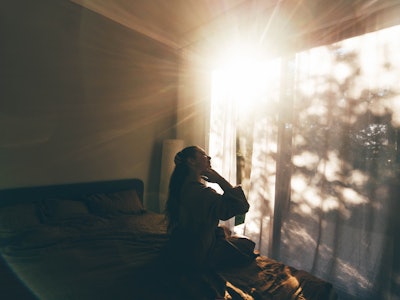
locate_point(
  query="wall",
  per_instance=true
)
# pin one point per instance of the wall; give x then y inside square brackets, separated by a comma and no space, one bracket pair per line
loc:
[194,94]
[81,98]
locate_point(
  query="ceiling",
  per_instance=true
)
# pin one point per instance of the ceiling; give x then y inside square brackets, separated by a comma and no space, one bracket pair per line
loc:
[168,21]
[178,23]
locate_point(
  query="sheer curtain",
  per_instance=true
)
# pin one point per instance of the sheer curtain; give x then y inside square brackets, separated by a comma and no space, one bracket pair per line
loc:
[344,163]
[324,164]
[222,138]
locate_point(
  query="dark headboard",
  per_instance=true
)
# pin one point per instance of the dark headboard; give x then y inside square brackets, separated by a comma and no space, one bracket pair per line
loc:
[70,190]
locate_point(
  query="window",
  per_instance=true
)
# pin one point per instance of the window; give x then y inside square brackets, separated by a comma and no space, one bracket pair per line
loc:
[317,147]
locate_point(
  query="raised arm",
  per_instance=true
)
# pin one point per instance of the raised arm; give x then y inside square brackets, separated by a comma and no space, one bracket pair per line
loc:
[233,202]
[213,176]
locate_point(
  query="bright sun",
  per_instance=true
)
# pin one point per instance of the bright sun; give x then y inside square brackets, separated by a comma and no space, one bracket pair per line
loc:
[244,78]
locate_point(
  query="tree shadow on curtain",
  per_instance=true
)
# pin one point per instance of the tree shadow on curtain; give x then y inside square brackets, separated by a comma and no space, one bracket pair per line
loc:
[339,222]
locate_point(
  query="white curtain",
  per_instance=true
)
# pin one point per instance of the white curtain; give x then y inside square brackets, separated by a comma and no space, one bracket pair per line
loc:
[222,139]
[345,159]
[324,167]
[261,195]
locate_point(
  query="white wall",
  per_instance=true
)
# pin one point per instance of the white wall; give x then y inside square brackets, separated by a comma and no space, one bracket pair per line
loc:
[81,98]
[193,99]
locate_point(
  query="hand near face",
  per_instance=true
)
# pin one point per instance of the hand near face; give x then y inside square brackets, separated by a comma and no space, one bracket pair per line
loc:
[211,175]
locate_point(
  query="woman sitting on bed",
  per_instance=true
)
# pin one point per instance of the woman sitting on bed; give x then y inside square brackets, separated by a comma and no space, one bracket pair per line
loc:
[194,210]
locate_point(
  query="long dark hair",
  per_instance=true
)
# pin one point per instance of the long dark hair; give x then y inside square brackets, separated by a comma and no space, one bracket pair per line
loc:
[181,171]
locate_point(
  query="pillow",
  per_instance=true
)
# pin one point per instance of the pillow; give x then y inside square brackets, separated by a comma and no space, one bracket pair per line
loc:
[18,217]
[122,202]
[63,209]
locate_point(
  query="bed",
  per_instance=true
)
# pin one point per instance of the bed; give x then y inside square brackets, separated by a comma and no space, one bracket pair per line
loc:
[96,240]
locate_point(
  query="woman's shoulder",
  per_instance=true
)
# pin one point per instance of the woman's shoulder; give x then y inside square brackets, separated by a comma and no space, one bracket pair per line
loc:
[193,184]
[198,188]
